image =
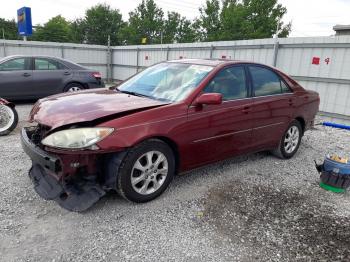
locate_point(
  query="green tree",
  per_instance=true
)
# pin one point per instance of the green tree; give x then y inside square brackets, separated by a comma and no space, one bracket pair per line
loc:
[57,29]
[265,17]
[208,24]
[241,19]
[178,29]
[146,21]
[100,22]
[9,28]
[78,28]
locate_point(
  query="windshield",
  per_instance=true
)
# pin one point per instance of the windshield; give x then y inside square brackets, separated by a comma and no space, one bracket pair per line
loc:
[166,81]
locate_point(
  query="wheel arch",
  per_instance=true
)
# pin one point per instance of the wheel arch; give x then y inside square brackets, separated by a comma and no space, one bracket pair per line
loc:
[85,86]
[174,147]
[6,103]
[302,122]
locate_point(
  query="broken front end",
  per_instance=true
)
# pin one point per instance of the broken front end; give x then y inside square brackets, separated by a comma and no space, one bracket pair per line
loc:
[67,166]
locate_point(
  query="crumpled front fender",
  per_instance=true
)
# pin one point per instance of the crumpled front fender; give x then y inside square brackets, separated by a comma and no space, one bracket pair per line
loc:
[7,103]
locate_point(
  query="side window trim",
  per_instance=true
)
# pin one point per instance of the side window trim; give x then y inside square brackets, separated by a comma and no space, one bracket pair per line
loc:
[31,63]
[243,66]
[61,65]
[267,68]
[249,81]
[284,82]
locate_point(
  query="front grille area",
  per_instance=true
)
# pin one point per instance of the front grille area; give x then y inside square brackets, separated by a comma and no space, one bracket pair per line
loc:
[37,133]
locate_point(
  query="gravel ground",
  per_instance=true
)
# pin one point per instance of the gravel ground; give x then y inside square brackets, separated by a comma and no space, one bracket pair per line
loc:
[254,207]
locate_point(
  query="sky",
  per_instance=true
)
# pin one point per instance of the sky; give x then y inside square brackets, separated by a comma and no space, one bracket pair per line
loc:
[309,17]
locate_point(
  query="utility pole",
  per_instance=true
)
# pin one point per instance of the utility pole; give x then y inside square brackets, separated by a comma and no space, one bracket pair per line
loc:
[3,33]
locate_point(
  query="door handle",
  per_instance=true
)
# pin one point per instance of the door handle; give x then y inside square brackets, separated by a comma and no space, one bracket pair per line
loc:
[246,109]
[66,73]
[306,98]
[291,102]
[25,74]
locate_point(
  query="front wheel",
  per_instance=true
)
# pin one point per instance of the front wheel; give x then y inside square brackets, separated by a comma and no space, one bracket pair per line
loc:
[146,171]
[8,119]
[290,141]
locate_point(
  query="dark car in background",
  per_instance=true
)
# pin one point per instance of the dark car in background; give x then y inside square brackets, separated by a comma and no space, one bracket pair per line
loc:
[32,77]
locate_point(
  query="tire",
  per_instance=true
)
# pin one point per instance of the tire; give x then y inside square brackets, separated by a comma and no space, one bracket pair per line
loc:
[154,179]
[73,87]
[8,127]
[293,133]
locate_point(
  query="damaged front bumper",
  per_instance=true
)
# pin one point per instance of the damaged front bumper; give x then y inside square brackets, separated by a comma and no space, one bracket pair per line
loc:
[75,194]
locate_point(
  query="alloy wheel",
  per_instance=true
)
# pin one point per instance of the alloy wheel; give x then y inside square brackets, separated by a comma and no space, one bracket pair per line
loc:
[149,172]
[74,88]
[291,139]
[7,117]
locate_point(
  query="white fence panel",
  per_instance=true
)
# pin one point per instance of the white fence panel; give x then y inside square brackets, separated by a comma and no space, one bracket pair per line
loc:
[91,56]
[318,63]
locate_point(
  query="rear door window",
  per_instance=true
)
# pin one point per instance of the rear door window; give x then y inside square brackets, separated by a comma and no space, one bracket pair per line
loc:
[47,64]
[230,82]
[266,82]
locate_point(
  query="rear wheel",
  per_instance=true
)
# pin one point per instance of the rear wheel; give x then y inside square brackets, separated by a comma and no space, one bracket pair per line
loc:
[146,171]
[73,87]
[290,141]
[8,119]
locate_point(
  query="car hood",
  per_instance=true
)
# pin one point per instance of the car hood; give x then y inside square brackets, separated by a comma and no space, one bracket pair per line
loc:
[85,106]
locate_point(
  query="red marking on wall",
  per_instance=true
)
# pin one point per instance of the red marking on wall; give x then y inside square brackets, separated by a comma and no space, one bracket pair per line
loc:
[223,57]
[327,60]
[315,60]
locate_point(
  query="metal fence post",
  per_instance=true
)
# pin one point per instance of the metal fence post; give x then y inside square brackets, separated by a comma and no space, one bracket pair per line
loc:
[62,51]
[111,64]
[137,59]
[211,51]
[108,57]
[167,53]
[4,46]
[275,53]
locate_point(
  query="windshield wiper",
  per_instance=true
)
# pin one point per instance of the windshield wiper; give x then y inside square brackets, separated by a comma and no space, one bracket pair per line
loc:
[131,93]
[142,95]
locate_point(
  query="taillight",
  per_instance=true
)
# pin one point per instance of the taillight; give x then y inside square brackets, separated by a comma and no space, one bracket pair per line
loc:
[96,74]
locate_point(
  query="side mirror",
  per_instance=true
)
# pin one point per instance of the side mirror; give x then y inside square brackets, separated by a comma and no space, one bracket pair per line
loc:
[209,99]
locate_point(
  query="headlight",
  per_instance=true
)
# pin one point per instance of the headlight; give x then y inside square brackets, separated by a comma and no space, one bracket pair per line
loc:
[77,138]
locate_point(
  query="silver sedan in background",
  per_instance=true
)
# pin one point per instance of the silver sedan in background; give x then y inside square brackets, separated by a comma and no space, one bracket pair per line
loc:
[32,77]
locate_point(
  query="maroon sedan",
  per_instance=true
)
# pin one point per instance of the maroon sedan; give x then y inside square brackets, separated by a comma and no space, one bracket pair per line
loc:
[171,117]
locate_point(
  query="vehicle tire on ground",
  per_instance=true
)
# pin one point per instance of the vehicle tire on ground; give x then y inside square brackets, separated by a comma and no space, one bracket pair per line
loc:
[146,171]
[8,119]
[72,87]
[290,141]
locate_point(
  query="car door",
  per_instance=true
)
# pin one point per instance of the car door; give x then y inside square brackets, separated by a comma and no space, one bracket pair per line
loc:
[273,105]
[219,131]
[16,78]
[49,76]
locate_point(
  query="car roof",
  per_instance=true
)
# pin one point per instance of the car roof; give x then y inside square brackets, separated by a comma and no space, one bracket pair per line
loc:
[213,62]
[219,62]
[207,62]
[43,56]
[68,63]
